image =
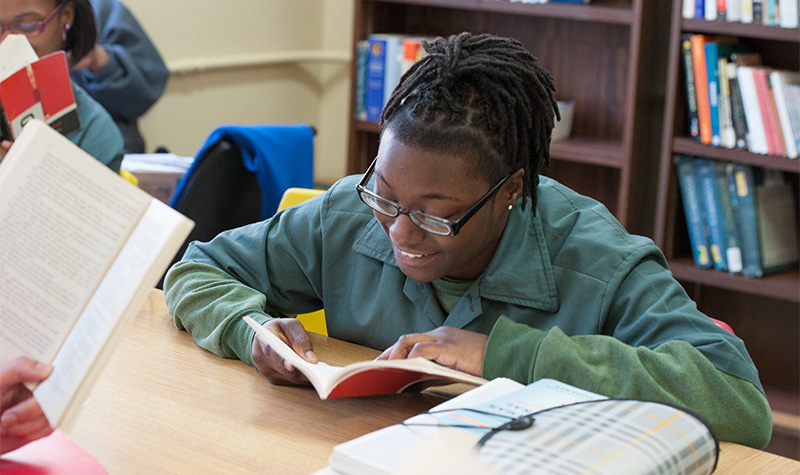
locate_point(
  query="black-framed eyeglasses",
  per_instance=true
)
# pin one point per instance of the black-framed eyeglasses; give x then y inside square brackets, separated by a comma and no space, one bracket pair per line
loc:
[431,224]
[31,28]
[514,423]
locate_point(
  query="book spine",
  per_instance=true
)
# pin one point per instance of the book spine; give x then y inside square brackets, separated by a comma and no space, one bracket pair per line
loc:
[733,12]
[771,13]
[726,131]
[376,69]
[710,10]
[776,213]
[777,102]
[782,106]
[688,9]
[701,87]
[747,11]
[733,251]
[742,187]
[722,8]
[700,8]
[693,210]
[765,107]
[756,137]
[712,75]
[737,109]
[789,13]
[394,60]
[691,94]
[704,170]
[758,12]
[792,94]
[362,57]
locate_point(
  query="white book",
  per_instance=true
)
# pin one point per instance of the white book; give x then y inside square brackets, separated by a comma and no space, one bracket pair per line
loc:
[747,11]
[81,248]
[789,13]
[688,9]
[779,79]
[710,10]
[733,10]
[756,135]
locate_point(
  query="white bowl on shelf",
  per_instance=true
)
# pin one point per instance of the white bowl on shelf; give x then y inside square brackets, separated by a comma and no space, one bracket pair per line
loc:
[563,127]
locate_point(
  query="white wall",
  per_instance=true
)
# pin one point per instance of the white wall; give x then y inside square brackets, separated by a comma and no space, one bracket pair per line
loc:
[248,62]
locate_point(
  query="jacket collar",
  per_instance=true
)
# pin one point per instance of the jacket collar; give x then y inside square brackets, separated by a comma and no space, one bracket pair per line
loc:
[520,272]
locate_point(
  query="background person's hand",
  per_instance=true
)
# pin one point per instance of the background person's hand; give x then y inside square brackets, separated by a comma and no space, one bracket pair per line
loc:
[21,419]
[452,347]
[272,365]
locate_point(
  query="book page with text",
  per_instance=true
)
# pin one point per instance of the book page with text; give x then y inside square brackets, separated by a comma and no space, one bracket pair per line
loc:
[63,218]
[122,292]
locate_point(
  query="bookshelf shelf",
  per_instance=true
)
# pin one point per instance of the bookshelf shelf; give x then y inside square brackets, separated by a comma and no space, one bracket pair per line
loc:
[765,311]
[784,285]
[599,56]
[773,33]
[687,146]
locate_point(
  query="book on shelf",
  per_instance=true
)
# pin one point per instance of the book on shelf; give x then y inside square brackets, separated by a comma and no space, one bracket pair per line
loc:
[691,93]
[776,212]
[687,9]
[711,11]
[768,116]
[82,249]
[362,56]
[789,13]
[780,83]
[383,71]
[756,132]
[737,109]
[366,378]
[701,87]
[694,211]
[34,88]
[742,195]
[544,427]
[758,12]
[727,219]
[711,202]
[747,11]
[727,132]
[733,11]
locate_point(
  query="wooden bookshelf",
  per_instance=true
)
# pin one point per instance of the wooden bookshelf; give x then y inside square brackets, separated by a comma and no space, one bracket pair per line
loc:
[764,312]
[601,56]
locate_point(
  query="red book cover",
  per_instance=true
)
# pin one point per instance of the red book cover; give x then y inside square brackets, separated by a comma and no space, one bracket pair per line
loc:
[42,90]
[774,141]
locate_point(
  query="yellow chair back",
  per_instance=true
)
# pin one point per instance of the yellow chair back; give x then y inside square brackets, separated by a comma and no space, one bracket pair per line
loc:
[314,321]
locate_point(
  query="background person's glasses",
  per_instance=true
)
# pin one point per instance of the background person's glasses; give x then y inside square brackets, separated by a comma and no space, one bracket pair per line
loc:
[30,28]
[429,223]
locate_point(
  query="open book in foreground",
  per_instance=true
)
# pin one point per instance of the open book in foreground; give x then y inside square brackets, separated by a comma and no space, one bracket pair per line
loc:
[366,378]
[80,250]
[550,427]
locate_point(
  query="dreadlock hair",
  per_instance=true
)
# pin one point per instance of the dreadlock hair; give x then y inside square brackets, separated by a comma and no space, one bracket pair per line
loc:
[482,97]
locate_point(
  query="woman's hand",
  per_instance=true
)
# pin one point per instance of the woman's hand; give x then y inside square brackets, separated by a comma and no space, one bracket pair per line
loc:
[21,418]
[459,349]
[5,145]
[272,365]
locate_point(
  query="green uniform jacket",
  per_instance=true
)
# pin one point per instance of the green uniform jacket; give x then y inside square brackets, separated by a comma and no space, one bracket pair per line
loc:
[568,295]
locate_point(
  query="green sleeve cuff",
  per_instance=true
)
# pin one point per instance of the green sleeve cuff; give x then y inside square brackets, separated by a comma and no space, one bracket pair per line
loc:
[511,351]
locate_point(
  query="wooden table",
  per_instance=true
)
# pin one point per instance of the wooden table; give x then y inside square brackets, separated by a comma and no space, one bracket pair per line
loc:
[165,405]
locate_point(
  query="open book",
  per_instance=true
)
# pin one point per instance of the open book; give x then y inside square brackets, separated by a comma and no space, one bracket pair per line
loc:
[567,431]
[366,378]
[34,88]
[80,250]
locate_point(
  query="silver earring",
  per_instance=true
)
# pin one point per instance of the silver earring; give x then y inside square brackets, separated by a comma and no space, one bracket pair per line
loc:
[510,206]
